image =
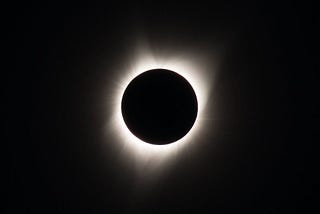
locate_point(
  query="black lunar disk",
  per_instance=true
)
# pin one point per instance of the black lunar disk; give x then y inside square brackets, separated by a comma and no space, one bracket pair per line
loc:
[159,106]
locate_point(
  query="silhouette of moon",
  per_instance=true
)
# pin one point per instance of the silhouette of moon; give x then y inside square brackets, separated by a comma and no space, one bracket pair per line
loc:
[159,106]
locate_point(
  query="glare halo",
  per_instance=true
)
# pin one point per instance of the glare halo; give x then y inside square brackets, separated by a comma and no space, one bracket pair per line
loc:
[194,70]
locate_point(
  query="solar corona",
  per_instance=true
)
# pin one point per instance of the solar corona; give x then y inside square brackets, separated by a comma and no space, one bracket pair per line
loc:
[149,93]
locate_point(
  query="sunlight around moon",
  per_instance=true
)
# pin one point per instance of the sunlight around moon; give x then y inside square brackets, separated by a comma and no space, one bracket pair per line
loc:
[194,69]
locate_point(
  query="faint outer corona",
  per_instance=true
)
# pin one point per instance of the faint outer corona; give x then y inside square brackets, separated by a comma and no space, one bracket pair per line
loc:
[159,106]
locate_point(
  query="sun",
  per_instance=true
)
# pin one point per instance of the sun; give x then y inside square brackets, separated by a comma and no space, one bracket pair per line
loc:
[189,67]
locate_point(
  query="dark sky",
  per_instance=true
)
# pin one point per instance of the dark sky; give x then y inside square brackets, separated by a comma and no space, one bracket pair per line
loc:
[60,162]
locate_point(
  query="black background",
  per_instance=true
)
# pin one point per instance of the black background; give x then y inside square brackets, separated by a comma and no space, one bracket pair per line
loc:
[255,163]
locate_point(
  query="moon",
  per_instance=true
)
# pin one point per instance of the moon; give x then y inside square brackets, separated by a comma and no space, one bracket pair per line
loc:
[159,106]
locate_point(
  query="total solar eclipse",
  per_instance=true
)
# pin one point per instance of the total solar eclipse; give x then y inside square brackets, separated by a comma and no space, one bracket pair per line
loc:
[159,106]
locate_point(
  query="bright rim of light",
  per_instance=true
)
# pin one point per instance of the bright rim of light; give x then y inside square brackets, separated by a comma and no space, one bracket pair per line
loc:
[136,149]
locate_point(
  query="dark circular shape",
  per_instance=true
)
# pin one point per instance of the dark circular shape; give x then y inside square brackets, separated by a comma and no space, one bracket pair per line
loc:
[159,106]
